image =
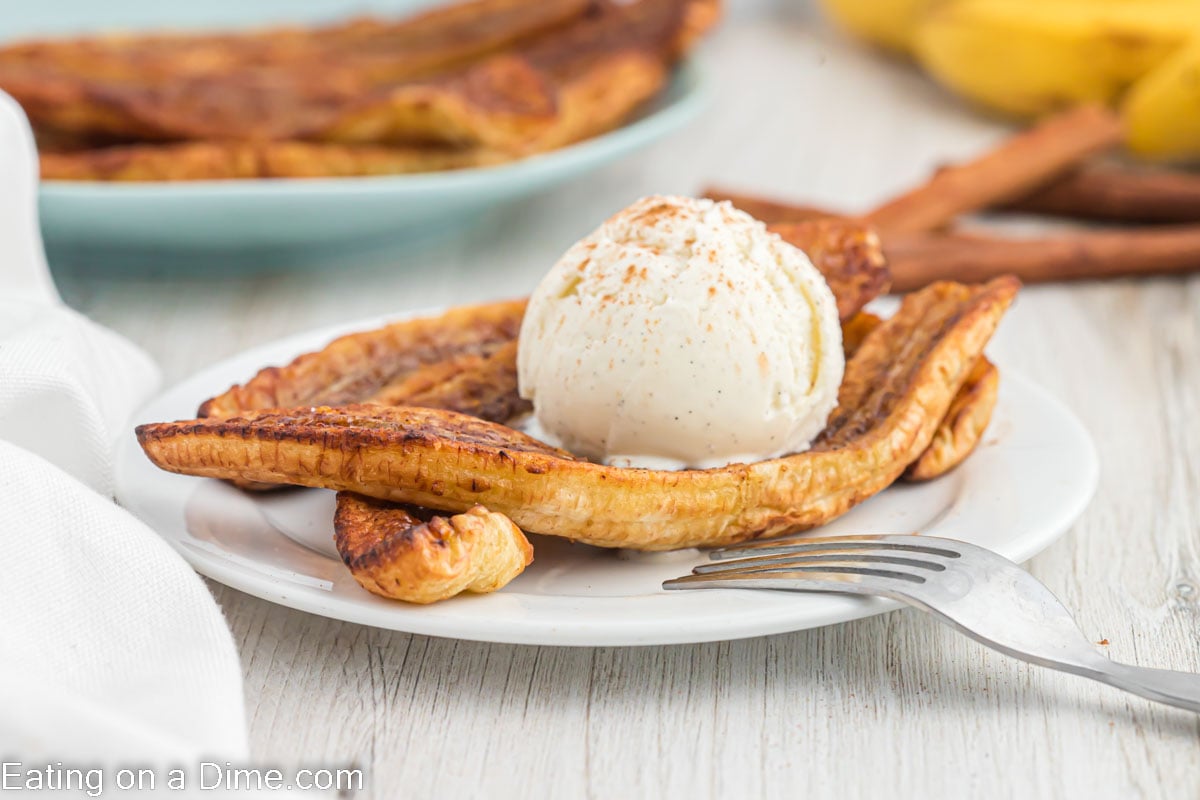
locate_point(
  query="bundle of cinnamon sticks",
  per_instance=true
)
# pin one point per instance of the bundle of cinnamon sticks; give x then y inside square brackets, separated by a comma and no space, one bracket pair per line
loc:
[1054,169]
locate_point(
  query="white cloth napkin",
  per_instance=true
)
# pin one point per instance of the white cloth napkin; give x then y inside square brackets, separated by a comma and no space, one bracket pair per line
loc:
[112,648]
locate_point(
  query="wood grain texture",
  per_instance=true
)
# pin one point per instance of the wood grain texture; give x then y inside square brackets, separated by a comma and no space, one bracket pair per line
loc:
[890,706]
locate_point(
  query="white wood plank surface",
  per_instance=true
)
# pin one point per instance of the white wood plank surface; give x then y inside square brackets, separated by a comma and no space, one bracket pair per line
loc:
[890,706]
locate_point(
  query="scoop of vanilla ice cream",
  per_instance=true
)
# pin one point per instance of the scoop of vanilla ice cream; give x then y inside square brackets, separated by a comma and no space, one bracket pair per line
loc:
[680,333]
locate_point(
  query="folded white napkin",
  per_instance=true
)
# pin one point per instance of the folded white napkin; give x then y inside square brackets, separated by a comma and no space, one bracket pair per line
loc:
[112,650]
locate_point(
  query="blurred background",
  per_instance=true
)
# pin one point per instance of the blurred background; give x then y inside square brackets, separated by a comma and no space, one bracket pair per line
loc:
[839,103]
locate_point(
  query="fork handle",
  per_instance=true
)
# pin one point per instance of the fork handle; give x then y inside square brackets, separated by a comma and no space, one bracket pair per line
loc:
[1180,689]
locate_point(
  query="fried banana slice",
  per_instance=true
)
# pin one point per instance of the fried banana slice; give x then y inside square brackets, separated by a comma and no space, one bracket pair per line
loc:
[848,254]
[502,102]
[583,80]
[855,331]
[266,84]
[319,160]
[484,386]
[394,553]
[584,77]
[486,389]
[962,429]
[898,387]
[426,43]
[136,162]
[208,161]
[589,104]
[353,368]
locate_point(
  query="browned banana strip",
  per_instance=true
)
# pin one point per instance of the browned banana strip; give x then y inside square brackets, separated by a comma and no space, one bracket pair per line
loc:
[963,428]
[855,330]
[584,80]
[353,368]
[847,253]
[487,391]
[898,387]
[393,552]
[965,422]
[224,160]
[274,84]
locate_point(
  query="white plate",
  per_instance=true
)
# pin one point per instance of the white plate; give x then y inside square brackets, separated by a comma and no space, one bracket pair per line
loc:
[1020,491]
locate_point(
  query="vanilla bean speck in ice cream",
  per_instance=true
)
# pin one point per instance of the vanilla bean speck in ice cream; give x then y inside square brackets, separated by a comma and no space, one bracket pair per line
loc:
[681,333]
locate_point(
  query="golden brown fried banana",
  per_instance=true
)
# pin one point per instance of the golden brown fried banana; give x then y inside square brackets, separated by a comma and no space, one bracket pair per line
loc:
[503,102]
[847,253]
[316,160]
[137,162]
[394,553]
[605,66]
[898,387]
[353,368]
[584,76]
[200,161]
[266,84]
[487,389]
[424,44]
[855,330]
[962,429]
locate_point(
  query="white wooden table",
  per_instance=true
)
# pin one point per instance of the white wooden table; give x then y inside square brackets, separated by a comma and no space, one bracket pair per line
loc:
[890,706]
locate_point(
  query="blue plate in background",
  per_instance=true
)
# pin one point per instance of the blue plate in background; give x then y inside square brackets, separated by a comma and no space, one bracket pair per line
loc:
[292,222]
[298,220]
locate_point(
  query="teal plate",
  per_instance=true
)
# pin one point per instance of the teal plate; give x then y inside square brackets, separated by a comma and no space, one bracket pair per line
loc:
[283,224]
[300,222]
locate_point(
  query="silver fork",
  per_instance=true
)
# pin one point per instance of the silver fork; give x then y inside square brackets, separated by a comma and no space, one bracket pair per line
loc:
[982,594]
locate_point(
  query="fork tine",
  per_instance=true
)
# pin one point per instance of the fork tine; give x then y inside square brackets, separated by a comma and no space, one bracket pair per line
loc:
[818,559]
[805,544]
[851,580]
[851,572]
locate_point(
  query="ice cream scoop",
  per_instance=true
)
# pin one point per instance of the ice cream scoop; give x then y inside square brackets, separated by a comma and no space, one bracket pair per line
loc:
[680,333]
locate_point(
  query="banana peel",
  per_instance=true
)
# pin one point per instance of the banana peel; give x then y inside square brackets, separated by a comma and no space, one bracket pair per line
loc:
[1032,58]
[1162,110]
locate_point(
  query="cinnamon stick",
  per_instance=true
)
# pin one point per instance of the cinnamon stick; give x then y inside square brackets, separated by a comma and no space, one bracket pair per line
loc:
[1024,162]
[1107,193]
[919,259]
[1116,194]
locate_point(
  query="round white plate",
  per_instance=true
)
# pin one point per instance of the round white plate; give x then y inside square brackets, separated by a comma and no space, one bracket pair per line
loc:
[1022,489]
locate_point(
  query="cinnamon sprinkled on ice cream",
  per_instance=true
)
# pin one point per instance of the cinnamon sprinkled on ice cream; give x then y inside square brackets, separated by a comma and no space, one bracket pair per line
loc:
[680,333]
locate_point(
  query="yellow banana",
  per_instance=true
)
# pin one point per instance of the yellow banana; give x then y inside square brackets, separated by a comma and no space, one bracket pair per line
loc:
[1162,110]
[890,23]
[1030,58]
